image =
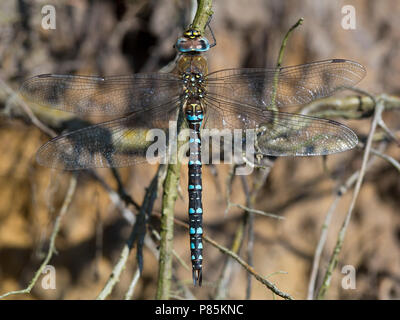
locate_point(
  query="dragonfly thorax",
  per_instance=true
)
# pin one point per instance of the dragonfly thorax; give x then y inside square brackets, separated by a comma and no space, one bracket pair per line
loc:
[193,85]
[189,64]
[193,78]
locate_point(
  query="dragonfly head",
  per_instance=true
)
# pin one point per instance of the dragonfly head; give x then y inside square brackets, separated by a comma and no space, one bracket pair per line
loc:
[192,42]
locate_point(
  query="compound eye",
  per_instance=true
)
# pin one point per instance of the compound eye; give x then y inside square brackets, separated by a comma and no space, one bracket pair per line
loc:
[202,44]
[190,44]
[183,45]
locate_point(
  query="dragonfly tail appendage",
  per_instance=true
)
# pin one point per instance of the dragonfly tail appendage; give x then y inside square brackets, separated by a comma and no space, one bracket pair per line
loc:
[197,277]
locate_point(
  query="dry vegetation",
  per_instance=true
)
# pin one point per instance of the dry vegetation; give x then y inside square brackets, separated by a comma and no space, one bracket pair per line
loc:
[122,37]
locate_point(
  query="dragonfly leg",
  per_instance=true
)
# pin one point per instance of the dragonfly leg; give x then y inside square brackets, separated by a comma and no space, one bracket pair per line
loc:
[212,33]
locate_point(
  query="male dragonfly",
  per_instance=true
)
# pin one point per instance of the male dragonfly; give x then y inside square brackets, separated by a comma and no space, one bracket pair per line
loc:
[246,99]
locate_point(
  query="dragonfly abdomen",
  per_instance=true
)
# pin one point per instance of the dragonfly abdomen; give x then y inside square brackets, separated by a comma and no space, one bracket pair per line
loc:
[194,116]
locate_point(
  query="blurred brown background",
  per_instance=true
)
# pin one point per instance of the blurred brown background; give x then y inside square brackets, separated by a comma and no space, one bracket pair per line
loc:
[123,37]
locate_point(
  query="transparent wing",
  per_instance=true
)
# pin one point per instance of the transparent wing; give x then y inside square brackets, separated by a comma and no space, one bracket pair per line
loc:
[279,133]
[117,95]
[117,143]
[295,85]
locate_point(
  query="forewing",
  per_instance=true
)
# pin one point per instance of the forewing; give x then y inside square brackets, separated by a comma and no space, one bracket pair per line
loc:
[117,95]
[295,85]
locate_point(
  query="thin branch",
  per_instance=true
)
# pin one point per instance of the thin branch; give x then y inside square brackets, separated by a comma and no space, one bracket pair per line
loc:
[149,198]
[250,235]
[279,61]
[170,195]
[380,154]
[229,182]
[233,255]
[132,285]
[386,157]
[203,15]
[114,277]
[15,99]
[340,192]
[259,212]
[389,132]
[334,258]
[271,286]
[50,252]
[222,287]
[116,198]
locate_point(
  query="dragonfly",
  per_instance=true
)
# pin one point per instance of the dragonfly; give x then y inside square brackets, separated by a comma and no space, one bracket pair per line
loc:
[241,98]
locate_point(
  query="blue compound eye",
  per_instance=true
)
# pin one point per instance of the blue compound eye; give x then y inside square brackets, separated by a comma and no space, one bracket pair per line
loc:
[183,45]
[202,44]
[192,45]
